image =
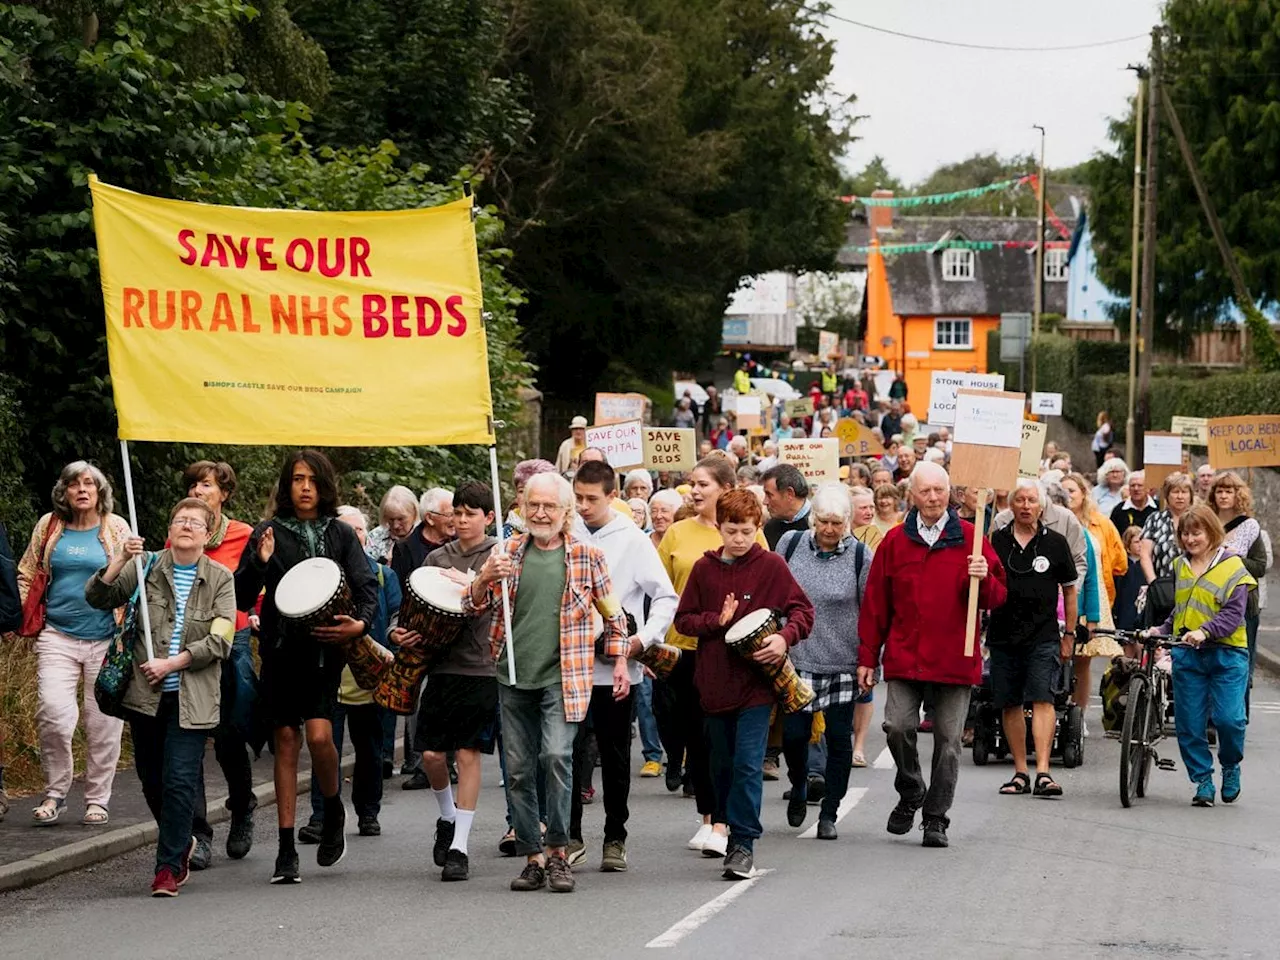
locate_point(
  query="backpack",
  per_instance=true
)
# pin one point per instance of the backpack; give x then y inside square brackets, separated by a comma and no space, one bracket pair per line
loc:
[793,538]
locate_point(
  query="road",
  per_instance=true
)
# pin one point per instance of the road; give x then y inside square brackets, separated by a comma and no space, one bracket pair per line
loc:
[1077,877]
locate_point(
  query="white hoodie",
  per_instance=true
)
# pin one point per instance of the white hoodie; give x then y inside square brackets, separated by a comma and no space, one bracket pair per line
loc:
[636,572]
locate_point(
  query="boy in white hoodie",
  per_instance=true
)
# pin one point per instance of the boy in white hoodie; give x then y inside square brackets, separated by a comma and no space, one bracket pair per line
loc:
[641,584]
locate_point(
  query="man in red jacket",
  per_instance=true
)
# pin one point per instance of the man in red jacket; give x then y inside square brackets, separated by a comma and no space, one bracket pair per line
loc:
[912,624]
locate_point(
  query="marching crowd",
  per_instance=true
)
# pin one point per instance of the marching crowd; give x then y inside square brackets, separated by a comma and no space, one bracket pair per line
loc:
[734,616]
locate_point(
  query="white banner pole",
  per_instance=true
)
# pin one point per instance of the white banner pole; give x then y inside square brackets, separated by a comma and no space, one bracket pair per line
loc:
[133,523]
[506,600]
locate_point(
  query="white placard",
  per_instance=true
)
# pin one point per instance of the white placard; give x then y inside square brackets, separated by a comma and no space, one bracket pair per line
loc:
[984,381]
[943,386]
[748,411]
[622,443]
[1046,404]
[988,421]
[1159,449]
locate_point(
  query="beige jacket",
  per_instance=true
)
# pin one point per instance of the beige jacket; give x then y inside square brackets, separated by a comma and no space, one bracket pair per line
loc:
[207,633]
[111,534]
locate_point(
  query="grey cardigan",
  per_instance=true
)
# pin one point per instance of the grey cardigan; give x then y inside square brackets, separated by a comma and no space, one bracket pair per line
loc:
[835,588]
[207,633]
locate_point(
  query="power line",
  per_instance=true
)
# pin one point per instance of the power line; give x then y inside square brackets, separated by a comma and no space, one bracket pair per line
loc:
[958,43]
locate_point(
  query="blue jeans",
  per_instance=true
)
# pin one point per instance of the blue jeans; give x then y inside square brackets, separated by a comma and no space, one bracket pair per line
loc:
[168,760]
[506,784]
[240,684]
[1209,683]
[736,743]
[365,722]
[650,743]
[537,734]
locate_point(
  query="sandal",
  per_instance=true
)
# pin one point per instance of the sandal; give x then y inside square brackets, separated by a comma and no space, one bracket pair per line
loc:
[1046,786]
[1019,783]
[507,846]
[859,760]
[48,812]
[95,815]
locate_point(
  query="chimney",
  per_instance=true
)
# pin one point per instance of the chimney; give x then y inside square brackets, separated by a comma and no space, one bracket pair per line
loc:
[880,218]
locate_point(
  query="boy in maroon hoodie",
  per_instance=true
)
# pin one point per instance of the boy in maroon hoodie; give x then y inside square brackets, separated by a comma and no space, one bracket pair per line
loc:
[737,697]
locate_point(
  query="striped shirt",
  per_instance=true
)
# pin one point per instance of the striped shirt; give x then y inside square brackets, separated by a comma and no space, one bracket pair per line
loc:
[184,579]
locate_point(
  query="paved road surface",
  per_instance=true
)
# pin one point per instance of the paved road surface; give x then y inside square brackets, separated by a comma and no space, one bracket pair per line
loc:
[1080,877]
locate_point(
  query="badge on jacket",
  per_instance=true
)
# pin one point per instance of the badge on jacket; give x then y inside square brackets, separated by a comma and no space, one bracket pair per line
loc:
[1040,564]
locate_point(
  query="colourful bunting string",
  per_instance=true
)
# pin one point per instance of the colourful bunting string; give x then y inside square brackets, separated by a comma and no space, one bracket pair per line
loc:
[888,249]
[1048,210]
[932,198]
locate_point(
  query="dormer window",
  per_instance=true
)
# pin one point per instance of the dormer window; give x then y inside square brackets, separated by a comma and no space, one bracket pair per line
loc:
[1055,264]
[957,264]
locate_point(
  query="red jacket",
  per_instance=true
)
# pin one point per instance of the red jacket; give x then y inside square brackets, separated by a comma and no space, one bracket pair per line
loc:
[912,621]
[728,682]
[227,553]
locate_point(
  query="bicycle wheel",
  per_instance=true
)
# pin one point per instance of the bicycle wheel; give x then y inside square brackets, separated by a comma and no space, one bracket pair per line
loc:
[1153,732]
[1133,738]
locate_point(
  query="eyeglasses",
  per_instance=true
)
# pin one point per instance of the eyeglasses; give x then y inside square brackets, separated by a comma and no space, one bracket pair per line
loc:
[535,507]
[186,523]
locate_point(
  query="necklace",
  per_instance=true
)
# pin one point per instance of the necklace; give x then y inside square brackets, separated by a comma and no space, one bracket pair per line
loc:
[1038,563]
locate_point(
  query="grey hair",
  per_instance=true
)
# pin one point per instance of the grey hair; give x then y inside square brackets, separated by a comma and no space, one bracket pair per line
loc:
[832,500]
[928,470]
[434,498]
[1052,492]
[671,498]
[72,472]
[399,497]
[644,507]
[346,510]
[1027,484]
[563,490]
[636,476]
[1141,474]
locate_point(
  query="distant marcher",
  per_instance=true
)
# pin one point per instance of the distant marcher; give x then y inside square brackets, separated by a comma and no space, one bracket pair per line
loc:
[1231,499]
[637,483]
[1102,438]
[1204,482]
[398,513]
[1107,493]
[571,448]
[1137,506]
[786,495]
[888,507]
[1160,545]
[684,416]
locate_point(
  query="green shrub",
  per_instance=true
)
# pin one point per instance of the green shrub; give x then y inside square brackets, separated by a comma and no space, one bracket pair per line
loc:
[1101,356]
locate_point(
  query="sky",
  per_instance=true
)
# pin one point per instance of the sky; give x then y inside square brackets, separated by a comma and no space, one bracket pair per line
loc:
[927,105]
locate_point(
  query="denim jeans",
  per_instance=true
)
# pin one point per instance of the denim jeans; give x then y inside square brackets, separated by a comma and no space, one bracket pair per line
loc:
[168,759]
[736,743]
[366,780]
[838,753]
[239,693]
[610,721]
[506,784]
[1209,683]
[950,706]
[537,734]
[650,742]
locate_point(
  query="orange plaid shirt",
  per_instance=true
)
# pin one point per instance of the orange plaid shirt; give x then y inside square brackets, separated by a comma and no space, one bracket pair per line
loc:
[587,585]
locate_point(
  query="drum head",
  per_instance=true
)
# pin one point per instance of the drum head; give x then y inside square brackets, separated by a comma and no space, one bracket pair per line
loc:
[748,625]
[307,586]
[430,585]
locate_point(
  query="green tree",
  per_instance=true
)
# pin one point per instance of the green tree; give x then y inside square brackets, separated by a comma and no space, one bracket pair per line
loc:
[874,176]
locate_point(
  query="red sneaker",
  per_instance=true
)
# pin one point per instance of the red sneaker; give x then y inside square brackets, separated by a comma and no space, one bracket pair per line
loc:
[164,884]
[184,871]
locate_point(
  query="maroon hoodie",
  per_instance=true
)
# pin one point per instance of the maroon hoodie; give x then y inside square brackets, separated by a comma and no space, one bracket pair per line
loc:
[728,682]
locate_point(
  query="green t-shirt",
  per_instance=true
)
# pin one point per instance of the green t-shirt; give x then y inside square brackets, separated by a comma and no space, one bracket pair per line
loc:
[535,621]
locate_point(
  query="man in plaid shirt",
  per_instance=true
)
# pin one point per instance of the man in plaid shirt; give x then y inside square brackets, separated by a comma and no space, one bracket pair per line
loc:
[553,583]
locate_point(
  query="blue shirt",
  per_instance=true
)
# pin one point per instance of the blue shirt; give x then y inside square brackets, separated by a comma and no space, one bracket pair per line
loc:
[183,580]
[77,556]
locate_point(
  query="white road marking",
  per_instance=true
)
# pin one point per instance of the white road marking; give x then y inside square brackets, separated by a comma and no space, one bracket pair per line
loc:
[681,929]
[884,761]
[850,801]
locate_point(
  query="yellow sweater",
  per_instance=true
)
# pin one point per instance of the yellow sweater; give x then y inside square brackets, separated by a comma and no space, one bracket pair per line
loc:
[682,546]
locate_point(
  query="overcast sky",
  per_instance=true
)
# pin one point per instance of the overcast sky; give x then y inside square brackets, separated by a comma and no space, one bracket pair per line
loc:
[928,104]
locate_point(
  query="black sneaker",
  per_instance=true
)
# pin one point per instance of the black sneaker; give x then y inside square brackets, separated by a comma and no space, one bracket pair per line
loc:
[388,769]
[202,855]
[333,841]
[935,832]
[444,838]
[532,877]
[418,781]
[286,867]
[559,875]
[737,864]
[456,866]
[311,832]
[826,829]
[817,789]
[370,827]
[797,806]
[240,836]
[673,778]
[902,819]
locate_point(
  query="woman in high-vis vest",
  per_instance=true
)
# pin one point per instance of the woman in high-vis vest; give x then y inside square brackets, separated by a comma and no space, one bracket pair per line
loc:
[1212,591]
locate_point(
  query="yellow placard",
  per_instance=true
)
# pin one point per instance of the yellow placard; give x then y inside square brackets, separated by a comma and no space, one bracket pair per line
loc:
[240,325]
[669,448]
[798,409]
[1032,450]
[817,460]
[857,440]
[1193,430]
[1244,441]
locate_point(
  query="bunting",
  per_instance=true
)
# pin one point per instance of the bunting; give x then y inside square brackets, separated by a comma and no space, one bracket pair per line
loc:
[933,198]
[888,249]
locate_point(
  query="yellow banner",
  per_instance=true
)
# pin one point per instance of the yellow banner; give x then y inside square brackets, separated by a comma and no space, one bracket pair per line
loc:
[241,325]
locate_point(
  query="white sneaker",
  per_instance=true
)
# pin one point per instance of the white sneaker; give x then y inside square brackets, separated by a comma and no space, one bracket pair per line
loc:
[1084,730]
[699,839]
[717,844]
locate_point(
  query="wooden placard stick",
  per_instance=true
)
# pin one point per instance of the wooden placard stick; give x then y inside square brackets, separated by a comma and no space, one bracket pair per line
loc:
[971,622]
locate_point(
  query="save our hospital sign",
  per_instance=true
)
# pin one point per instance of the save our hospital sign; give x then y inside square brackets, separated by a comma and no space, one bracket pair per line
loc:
[240,325]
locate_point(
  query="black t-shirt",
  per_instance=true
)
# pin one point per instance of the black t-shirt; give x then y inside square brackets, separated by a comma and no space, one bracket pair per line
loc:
[1032,576]
[1125,515]
[775,527]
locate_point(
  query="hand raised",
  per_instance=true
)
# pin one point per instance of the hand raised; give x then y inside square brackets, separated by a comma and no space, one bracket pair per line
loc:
[728,610]
[267,545]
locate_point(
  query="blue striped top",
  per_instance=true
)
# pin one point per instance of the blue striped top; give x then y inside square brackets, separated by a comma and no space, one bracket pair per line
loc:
[184,579]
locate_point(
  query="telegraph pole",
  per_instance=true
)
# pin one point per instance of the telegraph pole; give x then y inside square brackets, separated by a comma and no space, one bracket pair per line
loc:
[1136,246]
[1038,307]
[1146,345]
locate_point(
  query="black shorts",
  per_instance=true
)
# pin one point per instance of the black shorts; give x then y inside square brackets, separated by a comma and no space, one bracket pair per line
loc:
[299,684]
[1026,673]
[457,713]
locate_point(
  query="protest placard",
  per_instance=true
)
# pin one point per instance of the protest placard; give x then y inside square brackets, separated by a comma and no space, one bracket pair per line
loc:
[1252,441]
[669,448]
[828,344]
[857,440]
[1193,430]
[1161,456]
[1032,449]
[798,409]
[943,386]
[817,460]
[748,412]
[618,407]
[1046,404]
[622,443]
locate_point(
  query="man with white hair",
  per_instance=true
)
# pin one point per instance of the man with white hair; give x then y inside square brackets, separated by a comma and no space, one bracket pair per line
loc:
[1107,494]
[1057,518]
[1140,505]
[432,532]
[552,581]
[770,458]
[926,560]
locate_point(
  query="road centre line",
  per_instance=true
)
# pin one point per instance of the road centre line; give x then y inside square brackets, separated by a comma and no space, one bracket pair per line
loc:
[682,928]
[884,761]
[850,801]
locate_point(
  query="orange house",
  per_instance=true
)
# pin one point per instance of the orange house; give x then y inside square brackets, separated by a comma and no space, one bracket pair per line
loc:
[932,310]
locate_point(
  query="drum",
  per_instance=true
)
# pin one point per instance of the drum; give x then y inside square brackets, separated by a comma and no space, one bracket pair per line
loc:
[369,661]
[661,658]
[747,636]
[432,606]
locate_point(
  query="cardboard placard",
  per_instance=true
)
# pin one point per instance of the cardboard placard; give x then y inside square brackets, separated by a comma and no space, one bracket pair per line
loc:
[621,442]
[828,343]
[1161,456]
[748,411]
[1193,430]
[619,407]
[669,448]
[992,462]
[798,409]
[857,440]
[817,460]
[945,384]
[1046,404]
[1033,434]
[1252,441]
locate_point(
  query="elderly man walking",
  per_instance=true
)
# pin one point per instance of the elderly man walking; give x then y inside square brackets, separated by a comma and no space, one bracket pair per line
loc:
[912,623]
[553,581]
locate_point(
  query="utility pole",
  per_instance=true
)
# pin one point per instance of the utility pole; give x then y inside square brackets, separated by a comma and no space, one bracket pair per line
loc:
[1146,345]
[1135,247]
[1038,307]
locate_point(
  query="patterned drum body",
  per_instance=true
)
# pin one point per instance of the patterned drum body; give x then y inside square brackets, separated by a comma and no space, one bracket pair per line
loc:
[747,636]
[368,659]
[661,658]
[432,606]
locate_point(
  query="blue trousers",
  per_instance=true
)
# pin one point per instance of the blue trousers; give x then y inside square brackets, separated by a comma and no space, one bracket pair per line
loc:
[736,743]
[1210,683]
[168,760]
[650,742]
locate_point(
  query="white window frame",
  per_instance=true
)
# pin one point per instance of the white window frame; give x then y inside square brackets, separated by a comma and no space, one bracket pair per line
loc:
[1056,268]
[947,330]
[958,264]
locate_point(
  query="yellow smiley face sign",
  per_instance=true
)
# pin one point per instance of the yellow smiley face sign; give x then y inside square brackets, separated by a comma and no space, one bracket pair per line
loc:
[857,440]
